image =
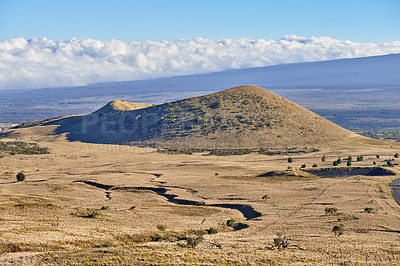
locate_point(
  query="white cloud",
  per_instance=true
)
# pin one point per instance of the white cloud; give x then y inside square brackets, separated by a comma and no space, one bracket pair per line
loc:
[38,63]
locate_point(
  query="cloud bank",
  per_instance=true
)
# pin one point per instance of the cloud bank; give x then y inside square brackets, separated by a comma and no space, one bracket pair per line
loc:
[38,63]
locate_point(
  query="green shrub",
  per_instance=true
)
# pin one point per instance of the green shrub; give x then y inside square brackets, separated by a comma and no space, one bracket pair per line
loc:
[338,230]
[335,163]
[265,197]
[377,156]
[232,223]
[330,210]
[389,163]
[396,155]
[360,158]
[323,158]
[290,160]
[161,227]
[280,241]
[348,163]
[349,159]
[315,165]
[20,176]
[303,165]
[374,163]
[339,161]
[212,230]
[105,207]
[369,210]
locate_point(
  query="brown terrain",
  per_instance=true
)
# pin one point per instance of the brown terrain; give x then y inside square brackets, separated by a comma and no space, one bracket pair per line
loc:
[87,201]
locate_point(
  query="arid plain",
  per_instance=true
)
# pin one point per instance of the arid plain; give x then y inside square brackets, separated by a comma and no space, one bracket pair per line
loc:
[88,203]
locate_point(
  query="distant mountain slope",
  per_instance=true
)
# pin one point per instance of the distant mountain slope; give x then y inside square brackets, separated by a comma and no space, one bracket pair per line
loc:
[240,117]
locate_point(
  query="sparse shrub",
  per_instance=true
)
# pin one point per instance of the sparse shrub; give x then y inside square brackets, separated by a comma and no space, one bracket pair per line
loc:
[303,165]
[323,159]
[161,227]
[193,241]
[374,163]
[369,210]
[289,168]
[396,155]
[389,163]
[132,207]
[338,230]
[105,207]
[212,230]
[335,163]
[216,174]
[377,156]
[20,176]
[280,241]
[339,161]
[157,238]
[349,159]
[265,197]
[348,163]
[360,158]
[315,165]
[232,223]
[330,210]
[290,160]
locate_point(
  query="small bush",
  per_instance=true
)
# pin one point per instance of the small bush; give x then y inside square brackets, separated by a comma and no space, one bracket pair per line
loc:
[396,155]
[161,227]
[280,241]
[212,230]
[339,161]
[216,174]
[330,210]
[303,165]
[323,158]
[290,160]
[360,158]
[20,176]
[335,163]
[348,163]
[389,163]
[369,210]
[315,165]
[265,197]
[105,208]
[338,230]
[349,159]
[374,163]
[193,241]
[377,156]
[232,223]
[132,207]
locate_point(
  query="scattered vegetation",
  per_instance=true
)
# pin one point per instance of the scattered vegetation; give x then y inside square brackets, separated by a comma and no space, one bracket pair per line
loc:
[20,147]
[360,158]
[20,176]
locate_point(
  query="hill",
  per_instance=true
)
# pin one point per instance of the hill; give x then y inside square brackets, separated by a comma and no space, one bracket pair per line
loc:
[244,117]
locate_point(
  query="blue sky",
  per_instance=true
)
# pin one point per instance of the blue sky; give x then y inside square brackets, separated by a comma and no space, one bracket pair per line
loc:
[355,20]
